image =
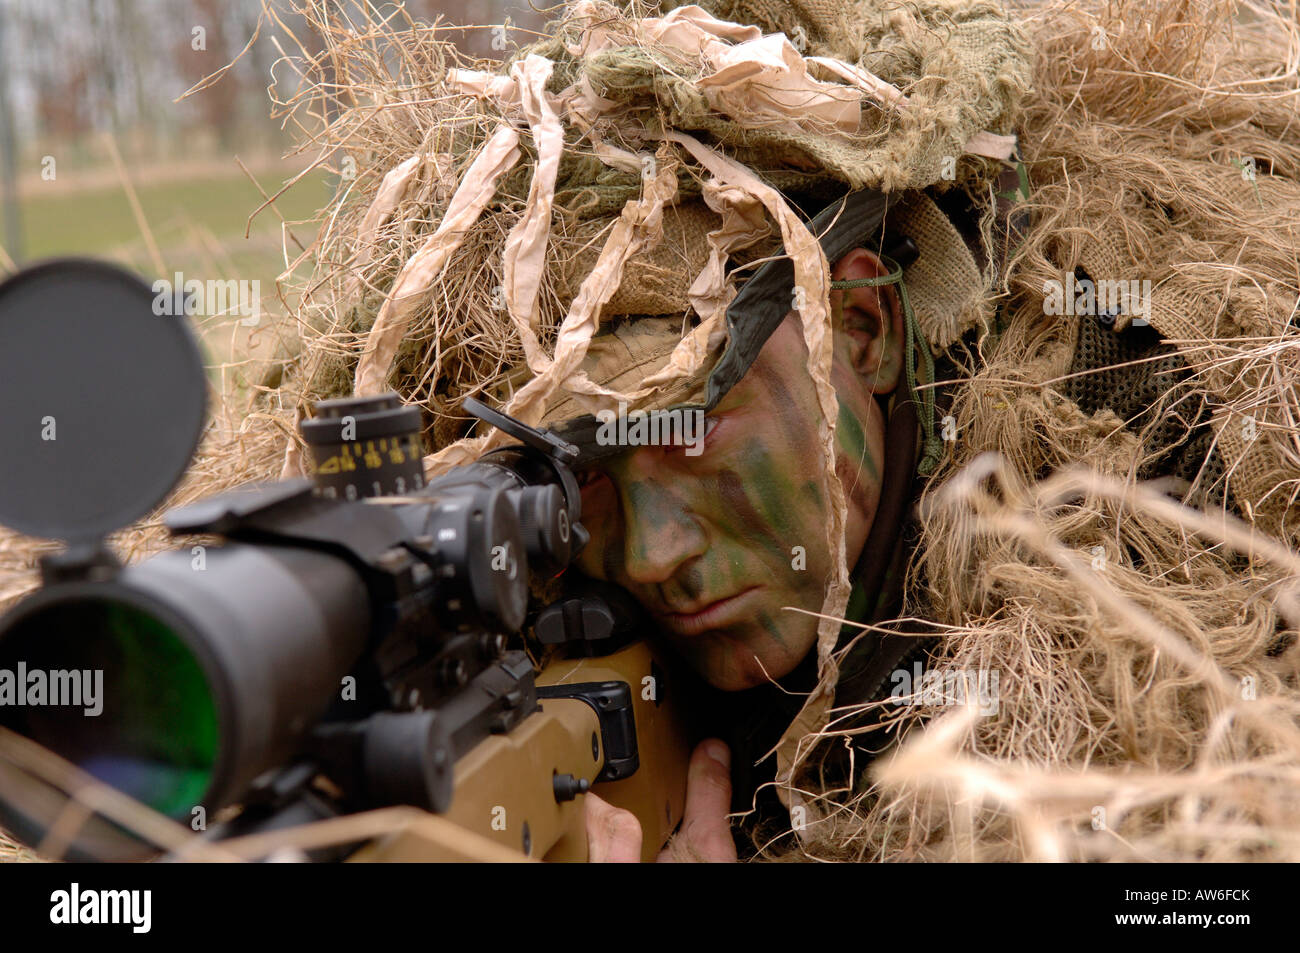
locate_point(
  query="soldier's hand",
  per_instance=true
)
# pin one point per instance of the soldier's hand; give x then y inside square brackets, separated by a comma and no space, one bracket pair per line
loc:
[614,835]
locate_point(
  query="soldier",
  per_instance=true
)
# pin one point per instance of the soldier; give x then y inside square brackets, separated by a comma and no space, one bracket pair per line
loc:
[801,228]
[718,547]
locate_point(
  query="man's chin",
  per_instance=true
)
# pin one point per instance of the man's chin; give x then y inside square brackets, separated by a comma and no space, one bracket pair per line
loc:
[728,664]
[736,682]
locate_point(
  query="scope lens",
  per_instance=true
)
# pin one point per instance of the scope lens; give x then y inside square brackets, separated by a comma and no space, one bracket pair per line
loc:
[113,689]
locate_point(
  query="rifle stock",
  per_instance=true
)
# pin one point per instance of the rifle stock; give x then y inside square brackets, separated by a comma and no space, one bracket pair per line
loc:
[512,773]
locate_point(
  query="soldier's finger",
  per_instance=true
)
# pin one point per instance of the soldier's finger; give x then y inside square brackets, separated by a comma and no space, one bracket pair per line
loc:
[708,799]
[613,834]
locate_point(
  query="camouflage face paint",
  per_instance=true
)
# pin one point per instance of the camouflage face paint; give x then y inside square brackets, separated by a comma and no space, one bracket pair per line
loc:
[715,546]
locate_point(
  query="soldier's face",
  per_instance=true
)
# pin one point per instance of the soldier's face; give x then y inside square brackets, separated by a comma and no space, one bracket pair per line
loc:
[715,546]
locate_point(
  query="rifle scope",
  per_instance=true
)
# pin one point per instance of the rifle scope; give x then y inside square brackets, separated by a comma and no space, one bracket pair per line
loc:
[191,678]
[195,672]
[201,668]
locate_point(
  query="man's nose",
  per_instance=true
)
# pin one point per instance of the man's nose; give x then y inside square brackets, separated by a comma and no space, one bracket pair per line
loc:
[661,533]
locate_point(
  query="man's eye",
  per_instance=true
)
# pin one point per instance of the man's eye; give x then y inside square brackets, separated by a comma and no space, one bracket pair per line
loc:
[588,478]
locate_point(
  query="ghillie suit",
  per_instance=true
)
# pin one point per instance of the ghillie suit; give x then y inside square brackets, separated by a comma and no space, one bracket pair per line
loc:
[637,162]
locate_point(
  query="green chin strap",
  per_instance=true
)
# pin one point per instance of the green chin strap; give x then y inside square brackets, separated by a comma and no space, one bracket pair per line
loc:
[915,348]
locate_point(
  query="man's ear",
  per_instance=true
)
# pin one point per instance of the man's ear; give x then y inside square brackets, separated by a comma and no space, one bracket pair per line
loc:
[870,320]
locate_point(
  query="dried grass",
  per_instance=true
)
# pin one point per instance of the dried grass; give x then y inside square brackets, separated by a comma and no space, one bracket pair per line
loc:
[385,104]
[1147,651]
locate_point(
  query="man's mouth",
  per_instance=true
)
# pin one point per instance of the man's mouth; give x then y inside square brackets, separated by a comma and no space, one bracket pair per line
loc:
[711,615]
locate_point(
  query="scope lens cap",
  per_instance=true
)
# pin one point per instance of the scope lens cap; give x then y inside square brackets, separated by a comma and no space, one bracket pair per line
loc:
[102,402]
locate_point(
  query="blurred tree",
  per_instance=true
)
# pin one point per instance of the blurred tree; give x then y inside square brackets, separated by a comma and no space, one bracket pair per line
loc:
[203,52]
[77,67]
[11,237]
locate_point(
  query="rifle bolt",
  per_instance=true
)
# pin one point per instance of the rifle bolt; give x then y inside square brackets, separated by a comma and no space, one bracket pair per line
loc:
[567,787]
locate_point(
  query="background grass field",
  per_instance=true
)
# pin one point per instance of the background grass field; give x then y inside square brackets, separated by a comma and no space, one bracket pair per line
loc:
[194,213]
